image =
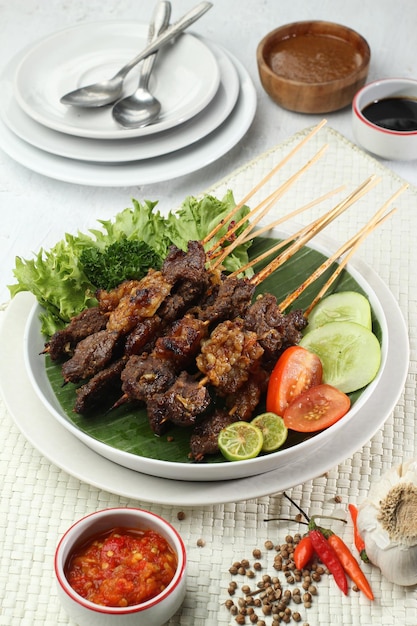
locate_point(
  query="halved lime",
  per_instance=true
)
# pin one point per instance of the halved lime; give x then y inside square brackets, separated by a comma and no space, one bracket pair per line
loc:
[344,306]
[240,441]
[350,354]
[273,430]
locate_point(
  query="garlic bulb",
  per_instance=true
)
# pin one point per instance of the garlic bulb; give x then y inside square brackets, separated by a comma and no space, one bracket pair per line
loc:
[387,521]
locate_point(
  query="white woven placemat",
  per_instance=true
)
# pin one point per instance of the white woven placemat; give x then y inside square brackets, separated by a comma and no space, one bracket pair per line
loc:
[39,501]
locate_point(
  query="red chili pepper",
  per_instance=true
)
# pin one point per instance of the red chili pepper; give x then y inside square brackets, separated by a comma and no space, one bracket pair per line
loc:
[303,552]
[359,542]
[349,564]
[328,556]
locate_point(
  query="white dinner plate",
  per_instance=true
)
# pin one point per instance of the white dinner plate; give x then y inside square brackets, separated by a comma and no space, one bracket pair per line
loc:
[375,394]
[122,150]
[146,171]
[185,77]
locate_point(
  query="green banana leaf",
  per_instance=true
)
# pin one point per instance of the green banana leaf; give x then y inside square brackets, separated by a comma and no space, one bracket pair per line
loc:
[126,428]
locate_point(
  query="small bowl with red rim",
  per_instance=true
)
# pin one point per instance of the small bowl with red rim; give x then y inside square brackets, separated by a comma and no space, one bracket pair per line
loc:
[121,567]
[384,118]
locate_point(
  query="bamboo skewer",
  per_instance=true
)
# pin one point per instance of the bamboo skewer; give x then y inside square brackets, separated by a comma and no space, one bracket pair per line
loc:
[310,231]
[279,245]
[307,138]
[270,201]
[292,214]
[252,192]
[350,246]
[343,263]
[282,243]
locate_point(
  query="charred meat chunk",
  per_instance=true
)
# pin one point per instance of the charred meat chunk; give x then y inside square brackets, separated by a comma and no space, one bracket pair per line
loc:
[142,301]
[182,343]
[244,402]
[143,336]
[182,297]
[275,331]
[145,375]
[206,432]
[63,342]
[189,277]
[189,266]
[229,356]
[91,355]
[295,324]
[183,402]
[156,416]
[103,388]
[231,299]
[109,300]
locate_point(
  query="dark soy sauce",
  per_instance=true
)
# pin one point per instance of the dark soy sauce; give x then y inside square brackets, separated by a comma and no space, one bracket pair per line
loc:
[393,113]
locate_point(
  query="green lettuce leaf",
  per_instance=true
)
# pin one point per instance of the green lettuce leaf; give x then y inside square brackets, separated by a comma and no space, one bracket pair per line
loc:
[58,278]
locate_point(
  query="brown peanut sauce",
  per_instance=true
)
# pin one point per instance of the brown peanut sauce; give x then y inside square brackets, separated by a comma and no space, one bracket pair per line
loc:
[313,58]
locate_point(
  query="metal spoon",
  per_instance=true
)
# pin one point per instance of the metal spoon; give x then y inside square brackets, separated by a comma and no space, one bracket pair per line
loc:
[108,91]
[141,108]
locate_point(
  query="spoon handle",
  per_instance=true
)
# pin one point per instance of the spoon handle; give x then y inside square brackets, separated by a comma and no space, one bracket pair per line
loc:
[158,24]
[172,31]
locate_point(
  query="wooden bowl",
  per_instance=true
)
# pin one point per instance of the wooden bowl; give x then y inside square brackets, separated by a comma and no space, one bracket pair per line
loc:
[313,66]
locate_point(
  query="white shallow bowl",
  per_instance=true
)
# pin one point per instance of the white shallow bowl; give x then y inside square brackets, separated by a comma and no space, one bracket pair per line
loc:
[34,344]
[388,144]
[154,612]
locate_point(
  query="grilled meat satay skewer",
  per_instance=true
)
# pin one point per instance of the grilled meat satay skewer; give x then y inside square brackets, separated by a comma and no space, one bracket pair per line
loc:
[182,342]
[229,356]
[152,375]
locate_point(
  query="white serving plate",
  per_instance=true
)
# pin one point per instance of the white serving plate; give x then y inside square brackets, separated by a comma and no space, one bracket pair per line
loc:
[122,150]
[66,451]
[185,78]
[145,171]
[376,394]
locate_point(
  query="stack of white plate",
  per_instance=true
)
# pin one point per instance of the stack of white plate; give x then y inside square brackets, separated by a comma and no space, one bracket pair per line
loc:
[208,103]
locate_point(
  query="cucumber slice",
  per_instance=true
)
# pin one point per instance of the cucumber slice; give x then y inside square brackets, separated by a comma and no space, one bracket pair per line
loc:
[345,306]
[350,354]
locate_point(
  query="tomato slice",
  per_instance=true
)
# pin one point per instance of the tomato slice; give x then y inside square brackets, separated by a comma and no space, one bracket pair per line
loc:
[316,409]
[296,370]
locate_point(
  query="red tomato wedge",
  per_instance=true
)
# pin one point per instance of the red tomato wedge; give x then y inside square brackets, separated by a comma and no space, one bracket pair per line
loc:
[316,409]
[296,370]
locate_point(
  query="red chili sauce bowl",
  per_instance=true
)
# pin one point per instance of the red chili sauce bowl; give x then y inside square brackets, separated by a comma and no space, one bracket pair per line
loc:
[121,566]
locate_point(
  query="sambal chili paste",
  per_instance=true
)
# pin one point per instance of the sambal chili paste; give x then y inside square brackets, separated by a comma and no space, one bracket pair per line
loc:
[122,568]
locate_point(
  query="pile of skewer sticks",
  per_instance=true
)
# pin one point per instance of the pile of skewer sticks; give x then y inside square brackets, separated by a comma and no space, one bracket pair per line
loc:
[216,254]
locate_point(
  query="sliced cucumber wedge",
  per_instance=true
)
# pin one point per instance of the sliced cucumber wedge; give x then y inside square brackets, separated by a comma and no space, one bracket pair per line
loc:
[345,306]
[349,352]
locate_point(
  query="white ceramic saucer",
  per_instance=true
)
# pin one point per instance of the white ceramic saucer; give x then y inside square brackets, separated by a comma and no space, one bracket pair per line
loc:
[146,171]
[185,78]
[122,150]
